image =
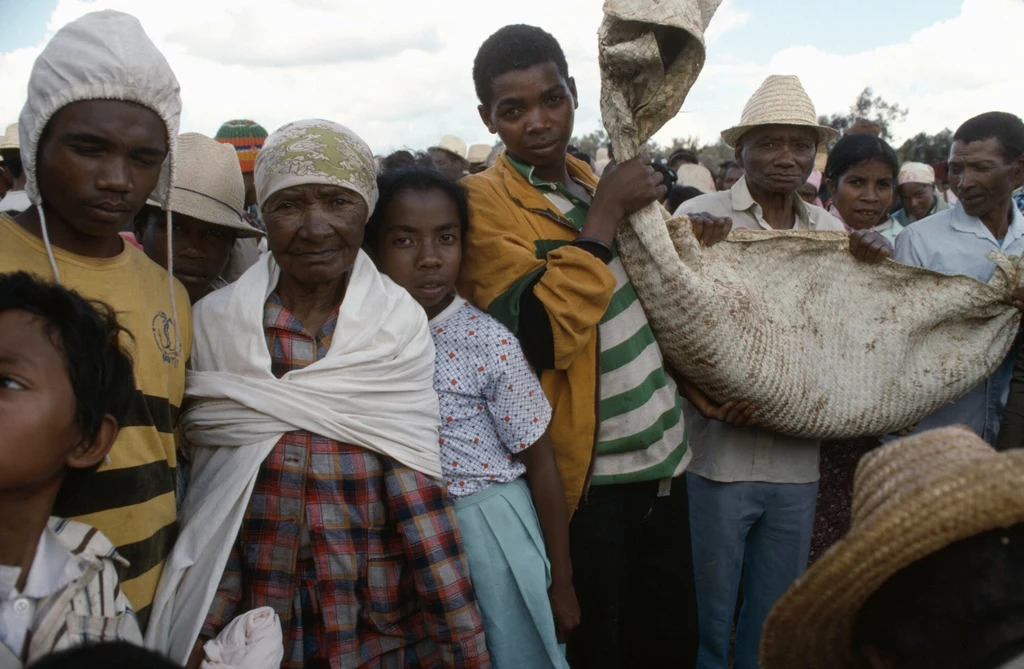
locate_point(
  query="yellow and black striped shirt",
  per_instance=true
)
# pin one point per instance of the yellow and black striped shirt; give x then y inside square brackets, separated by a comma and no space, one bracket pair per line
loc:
[131,498]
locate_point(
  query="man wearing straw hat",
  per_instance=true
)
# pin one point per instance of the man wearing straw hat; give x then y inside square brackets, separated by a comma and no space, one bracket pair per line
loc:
[449,157]
[931,573]
[477,157]
[208,203]
[752,492]
[15,200]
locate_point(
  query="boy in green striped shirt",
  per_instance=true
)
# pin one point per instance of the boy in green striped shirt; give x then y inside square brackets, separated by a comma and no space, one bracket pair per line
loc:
[540,256]
[640,433]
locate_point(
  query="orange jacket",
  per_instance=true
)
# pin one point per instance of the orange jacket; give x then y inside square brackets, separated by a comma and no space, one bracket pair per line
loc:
[518,239]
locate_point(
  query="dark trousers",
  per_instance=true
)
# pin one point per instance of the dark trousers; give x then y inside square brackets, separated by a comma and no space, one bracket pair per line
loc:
[633,575]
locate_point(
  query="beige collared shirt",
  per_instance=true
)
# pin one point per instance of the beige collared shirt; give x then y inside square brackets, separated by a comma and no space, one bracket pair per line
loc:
[725,453]
[738,204]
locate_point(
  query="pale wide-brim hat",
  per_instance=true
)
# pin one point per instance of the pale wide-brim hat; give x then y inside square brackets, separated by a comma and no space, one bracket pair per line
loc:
[208,184]
[911,499]
[452,144]
[10,138]
[478,154]
[781,100]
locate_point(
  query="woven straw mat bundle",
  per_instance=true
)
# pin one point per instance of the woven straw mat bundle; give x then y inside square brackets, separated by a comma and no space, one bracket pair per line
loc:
[823,345]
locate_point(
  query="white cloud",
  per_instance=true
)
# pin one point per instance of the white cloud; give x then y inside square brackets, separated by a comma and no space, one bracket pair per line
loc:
[400,72]
[726,18]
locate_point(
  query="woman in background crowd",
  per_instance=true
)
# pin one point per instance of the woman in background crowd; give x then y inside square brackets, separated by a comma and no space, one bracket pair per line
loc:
[861,173]
[916,184]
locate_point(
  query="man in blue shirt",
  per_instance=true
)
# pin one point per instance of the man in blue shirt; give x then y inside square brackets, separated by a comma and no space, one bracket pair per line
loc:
[986,164]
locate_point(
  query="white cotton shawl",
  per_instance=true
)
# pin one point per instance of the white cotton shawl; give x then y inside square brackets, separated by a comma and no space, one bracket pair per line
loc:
[374,388]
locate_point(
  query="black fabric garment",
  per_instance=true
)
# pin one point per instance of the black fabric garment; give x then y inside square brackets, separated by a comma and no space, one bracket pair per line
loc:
[633,575]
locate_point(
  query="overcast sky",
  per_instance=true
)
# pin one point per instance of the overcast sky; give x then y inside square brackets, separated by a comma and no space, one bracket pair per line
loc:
[398,72]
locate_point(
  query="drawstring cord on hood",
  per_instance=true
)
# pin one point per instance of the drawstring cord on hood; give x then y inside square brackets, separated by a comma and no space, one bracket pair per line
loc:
[46,243]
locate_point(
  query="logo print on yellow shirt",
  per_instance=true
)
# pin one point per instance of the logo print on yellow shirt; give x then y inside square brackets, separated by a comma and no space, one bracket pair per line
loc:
[163,334]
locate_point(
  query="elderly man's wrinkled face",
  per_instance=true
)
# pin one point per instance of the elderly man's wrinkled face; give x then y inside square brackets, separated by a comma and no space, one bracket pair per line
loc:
[314,231]
[777,158]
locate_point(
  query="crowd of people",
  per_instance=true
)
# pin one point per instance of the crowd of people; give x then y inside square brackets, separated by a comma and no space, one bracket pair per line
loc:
[270,400]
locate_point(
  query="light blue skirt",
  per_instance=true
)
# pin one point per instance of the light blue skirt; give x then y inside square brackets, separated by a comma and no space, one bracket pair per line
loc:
[511,575]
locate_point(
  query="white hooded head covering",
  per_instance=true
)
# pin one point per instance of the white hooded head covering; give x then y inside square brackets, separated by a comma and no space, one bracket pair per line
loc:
[102,56]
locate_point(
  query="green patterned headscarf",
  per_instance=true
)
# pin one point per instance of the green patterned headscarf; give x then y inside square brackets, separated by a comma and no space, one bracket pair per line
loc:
[315,151]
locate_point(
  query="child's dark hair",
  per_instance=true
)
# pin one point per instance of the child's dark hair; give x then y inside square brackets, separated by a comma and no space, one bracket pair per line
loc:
[853,150]
[391,184]
[680,194]
[112,655]
[1005,127]
[514,47]
[88,335]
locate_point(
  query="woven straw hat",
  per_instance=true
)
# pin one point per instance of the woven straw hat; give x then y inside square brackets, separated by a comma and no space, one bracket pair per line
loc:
[208,184]
[452,144]
[781,100]
[10,138]
[911,499]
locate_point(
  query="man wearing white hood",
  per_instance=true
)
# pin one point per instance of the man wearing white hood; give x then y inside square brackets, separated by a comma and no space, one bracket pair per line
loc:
[97,137]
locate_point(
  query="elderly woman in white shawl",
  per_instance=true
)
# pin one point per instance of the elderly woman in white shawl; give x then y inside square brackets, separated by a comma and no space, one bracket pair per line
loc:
[313,430]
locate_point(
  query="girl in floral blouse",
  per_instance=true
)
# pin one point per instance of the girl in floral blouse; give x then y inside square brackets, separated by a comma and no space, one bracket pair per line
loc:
[496,454]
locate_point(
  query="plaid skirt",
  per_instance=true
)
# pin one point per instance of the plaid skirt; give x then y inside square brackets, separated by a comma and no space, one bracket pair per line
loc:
[306,641]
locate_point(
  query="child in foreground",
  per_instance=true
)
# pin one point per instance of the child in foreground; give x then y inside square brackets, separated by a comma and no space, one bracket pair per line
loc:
[496,453]
[65,386]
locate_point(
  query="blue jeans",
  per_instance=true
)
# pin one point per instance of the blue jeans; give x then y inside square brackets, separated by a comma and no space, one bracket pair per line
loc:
[760,532]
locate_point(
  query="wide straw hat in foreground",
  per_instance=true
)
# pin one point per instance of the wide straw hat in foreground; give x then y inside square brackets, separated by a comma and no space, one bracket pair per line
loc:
[209,184]
[911,499]
[781,100]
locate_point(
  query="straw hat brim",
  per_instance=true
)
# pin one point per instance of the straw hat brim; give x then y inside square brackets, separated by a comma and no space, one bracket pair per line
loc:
[733,134]
[810,626]
[209,210]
